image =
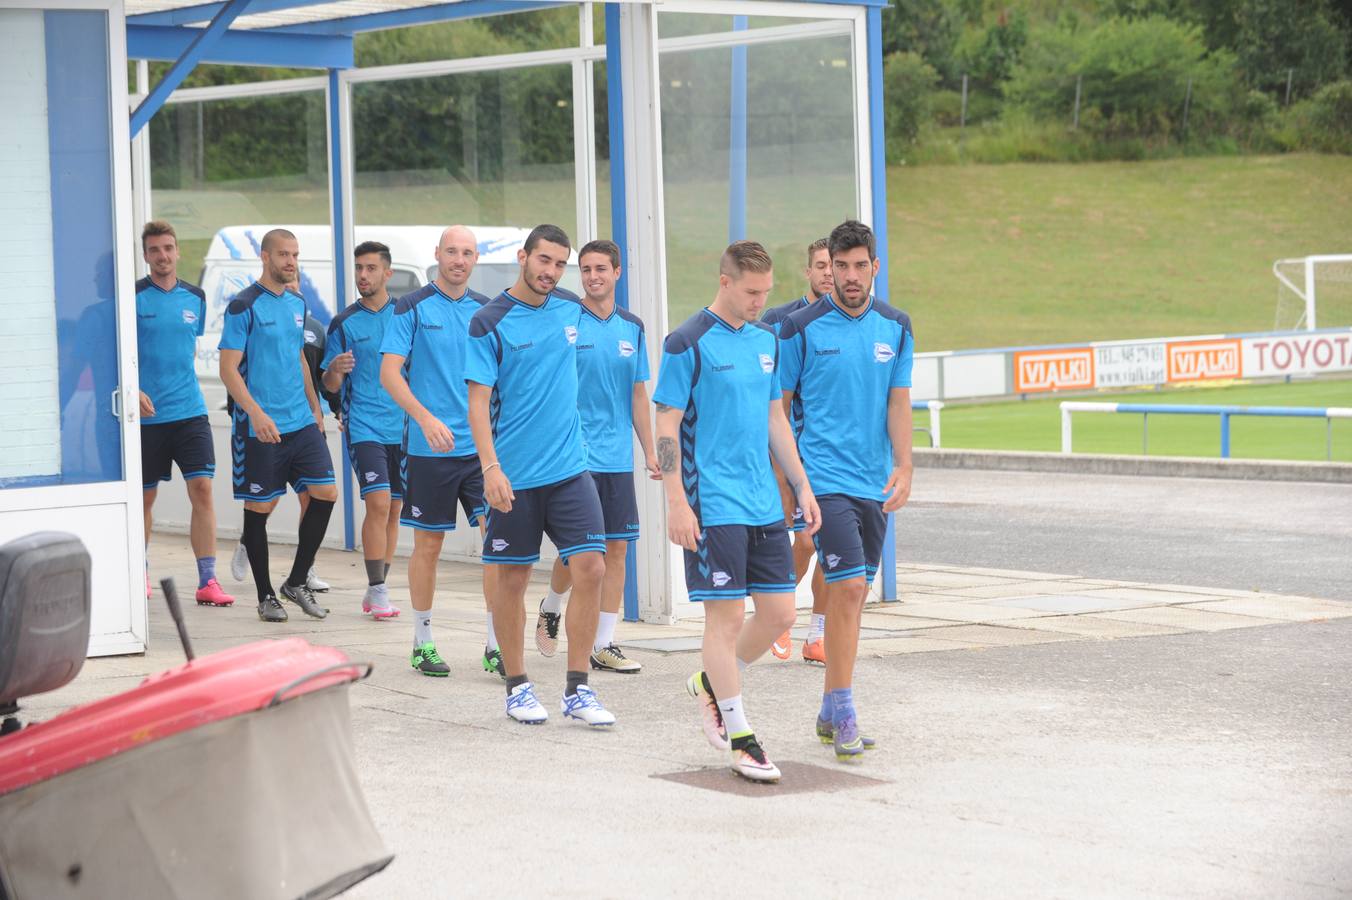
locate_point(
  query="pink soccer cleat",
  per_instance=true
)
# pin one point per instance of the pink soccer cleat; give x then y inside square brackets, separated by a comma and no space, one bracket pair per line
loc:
[212,594]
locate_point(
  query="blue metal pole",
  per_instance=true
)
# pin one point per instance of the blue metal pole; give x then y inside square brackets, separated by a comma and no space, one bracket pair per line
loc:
[1225,435]
[619,223]
[339,282]
[878,171]
[737,139]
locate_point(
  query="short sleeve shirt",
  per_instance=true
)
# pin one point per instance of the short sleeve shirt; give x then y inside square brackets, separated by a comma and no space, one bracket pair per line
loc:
[724,378]
[431,332]
[368,411]
[270,330]
[611,358]
[168,324]
[843,368]
[528,355]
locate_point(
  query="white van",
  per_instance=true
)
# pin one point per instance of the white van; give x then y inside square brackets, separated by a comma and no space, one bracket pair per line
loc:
[232,263]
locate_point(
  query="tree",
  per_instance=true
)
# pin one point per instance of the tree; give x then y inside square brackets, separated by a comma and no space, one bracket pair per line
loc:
[1275,36]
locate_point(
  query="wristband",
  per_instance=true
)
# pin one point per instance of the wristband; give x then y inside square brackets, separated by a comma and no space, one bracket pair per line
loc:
[491,468]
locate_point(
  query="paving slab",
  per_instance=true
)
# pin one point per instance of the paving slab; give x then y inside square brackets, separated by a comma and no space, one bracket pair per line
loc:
[1270,606]
[1072,604]
[1091,627]
[1187,618]
[995,636]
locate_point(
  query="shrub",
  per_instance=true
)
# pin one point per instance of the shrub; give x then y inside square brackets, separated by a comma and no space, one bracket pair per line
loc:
[908,87]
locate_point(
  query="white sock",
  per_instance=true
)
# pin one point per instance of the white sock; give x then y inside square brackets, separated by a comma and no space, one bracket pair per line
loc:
[605,630]
[422,627]
[492,643]
[734,717]
[742,665]
[554,602]
[817,630]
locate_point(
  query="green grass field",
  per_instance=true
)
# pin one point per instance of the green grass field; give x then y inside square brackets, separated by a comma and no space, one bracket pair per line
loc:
[1036,424]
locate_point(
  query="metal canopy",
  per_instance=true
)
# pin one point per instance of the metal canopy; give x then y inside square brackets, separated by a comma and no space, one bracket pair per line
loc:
[319,34]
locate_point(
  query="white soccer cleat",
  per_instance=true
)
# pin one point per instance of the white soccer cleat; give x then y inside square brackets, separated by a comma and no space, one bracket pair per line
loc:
[749,761]
[239,563]
[314,582]
[584,707]
[710,719]
[524,707]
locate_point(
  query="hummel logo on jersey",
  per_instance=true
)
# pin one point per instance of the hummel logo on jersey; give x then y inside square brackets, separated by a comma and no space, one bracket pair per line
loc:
[883,353]
[255,488]
[728,368]
[431,326]
[570,332]
[626,349]
[371,476]
[767,362]
[500,545]
[829,351]
[721,578]
[525,346]
[832,560]
[189,317]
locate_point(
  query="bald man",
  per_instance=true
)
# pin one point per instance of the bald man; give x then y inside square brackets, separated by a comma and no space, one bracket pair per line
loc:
[423,369]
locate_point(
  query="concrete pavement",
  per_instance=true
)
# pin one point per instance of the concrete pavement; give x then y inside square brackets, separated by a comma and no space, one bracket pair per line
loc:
[1040,735]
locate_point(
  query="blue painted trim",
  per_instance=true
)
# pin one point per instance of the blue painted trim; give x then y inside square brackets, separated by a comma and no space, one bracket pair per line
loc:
[619,215]
[248,48]
[447,12]
[878,171]
[737,198]
[340,289]
[186,63]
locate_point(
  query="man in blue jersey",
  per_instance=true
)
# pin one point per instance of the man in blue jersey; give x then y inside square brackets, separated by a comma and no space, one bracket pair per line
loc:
[278,435]
[170,316]
[849,358]
[423,369]
[719,407]
[373,424]
[523,411]
[818,274]
[612,369]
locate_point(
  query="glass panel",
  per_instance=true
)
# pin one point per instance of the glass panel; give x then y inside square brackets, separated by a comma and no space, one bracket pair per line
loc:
[604,223]
[491,150]
[800,159]
[59,342]
[224,172]
[678,24]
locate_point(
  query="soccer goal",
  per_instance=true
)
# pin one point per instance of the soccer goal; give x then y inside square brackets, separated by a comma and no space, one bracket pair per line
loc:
[1313,292]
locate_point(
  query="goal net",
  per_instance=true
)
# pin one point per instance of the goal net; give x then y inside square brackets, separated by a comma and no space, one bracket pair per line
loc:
[1313,292]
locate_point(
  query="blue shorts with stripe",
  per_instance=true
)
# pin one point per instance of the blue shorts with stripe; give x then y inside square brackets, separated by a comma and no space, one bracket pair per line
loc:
[736,560]
[619,504]
[569,511]
[850,541]
[186,442]
[378,467]
[432,486]
[262,471]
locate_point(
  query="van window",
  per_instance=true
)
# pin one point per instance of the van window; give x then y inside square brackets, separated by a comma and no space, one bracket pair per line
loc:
[403,282]
[491,279]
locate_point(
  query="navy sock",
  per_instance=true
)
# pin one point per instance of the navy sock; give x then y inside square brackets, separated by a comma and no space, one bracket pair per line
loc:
[206,570]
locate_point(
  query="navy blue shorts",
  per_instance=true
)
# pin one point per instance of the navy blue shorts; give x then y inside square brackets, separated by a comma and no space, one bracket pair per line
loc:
[736,560]
[850,541]
[186,442]
[619,504]
[433,485]
[798,523]
[262,471]
[378,467]
[568,511]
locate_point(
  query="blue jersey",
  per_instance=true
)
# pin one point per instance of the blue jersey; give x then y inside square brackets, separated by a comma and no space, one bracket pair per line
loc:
[774,317]
[369,413]
[270,329]
[430,331]
[168,324]
[611,359]
[528,355]
[843,368]
[724,378]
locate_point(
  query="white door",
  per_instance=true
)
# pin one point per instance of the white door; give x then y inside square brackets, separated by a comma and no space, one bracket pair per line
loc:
[70,444]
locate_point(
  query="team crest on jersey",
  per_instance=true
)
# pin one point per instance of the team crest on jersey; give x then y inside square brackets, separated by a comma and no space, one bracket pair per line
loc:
[883,353]
[626,349]
[570,332]
[500,545]
[370,476]
[189,317]
[311,337]
[300,320]
[767,363]
[720,578]
[417,513]
[832,560]
[255,488]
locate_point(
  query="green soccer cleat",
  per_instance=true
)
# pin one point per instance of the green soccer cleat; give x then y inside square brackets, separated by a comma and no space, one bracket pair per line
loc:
[428,661]
[492,663]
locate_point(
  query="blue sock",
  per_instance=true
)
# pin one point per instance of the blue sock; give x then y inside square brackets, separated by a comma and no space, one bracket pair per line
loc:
[206,570]
[827,708]
[842,704]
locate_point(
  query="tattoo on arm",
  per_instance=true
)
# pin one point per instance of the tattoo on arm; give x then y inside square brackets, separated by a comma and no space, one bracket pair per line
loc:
[666,455]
